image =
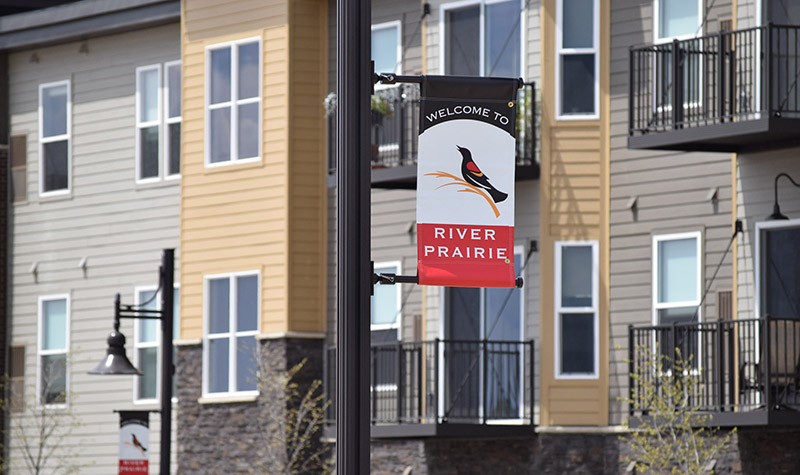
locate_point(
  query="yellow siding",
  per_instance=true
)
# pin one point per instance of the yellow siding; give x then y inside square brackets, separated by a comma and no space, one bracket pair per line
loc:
[574,206]
[266,216]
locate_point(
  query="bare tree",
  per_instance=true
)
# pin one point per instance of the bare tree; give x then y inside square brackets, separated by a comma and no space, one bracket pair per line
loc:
[293,419]
[39,431]
[672,437]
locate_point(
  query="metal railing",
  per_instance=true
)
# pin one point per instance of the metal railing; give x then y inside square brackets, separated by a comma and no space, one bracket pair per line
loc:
[729,76]
[395,127]
[739,365]
[437,381]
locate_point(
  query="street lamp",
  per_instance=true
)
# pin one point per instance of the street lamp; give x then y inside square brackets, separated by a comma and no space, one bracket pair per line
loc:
[776,208]
[115,362]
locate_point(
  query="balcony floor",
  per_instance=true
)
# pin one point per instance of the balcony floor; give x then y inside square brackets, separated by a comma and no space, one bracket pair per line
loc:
[453,430]
[744,136]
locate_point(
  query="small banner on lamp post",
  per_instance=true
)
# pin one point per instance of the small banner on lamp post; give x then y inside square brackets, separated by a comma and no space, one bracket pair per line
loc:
[134,442]
[465,182]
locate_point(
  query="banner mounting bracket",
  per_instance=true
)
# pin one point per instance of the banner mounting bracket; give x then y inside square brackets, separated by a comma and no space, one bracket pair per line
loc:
[392,279]
[392,78]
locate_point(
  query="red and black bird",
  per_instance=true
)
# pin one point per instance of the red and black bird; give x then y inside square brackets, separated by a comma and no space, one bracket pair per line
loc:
[138,444]
[474,176]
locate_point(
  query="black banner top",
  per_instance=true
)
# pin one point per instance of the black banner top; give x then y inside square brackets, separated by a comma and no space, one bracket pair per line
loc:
[489,100]
[134,417]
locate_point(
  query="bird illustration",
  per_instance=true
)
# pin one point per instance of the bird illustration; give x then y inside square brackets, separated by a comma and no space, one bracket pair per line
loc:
[138,444]
[474,176]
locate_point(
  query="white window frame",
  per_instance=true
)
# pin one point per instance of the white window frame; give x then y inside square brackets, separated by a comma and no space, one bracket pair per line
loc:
[399,317]
[760,228]
[232,333]
[560,310]
[55,138]
[171,120]
[658,39]
[561,52]
[42,352]
[482,36]
[141,125]
[385,26]
[158,343]
[233,103]
[656,305]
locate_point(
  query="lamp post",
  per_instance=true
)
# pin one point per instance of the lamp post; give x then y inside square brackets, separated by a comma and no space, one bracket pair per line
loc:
[776,208]
[116,363]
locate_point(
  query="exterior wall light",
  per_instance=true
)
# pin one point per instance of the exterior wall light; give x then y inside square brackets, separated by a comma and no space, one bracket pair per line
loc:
[776,208]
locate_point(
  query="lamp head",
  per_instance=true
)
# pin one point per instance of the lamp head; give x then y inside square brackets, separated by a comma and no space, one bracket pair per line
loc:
[776,213]
[115,361]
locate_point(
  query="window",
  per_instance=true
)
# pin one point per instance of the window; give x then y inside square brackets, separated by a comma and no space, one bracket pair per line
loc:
[53,349]
[577,327]
[676,278]
[577,41]
[677,18]
[779,269]
[232,313]
[147,346]
[157,104]
[54,138]
[233,103]
[385,307]
[19,169]
[482,38]
[387,47]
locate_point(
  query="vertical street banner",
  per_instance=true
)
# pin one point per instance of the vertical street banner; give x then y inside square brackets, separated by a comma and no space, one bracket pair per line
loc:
[465,181]
[134,442]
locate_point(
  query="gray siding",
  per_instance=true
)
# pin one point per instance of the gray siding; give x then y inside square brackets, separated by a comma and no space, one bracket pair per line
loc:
[118,226]
[672,190]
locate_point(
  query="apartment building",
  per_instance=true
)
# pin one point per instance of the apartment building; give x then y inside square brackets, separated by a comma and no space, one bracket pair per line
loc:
[92,95]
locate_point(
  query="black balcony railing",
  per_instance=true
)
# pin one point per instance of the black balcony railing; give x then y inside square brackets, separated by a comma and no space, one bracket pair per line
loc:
[740,365]
[439,381]
[395,127]
[731,76]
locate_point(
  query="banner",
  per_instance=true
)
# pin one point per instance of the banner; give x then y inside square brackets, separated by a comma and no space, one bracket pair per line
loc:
[465,181]
[134,442]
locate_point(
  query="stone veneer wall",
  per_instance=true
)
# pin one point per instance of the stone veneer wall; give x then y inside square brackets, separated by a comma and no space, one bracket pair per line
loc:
[753,451]
[227,437]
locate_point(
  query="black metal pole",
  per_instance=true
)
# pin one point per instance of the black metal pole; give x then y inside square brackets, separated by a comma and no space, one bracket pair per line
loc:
[167,318]
[354,85]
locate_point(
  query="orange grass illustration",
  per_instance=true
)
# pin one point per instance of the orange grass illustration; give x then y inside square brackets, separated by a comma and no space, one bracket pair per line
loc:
[469,188]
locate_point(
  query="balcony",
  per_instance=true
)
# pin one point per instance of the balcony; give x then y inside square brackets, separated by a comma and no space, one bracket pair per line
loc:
[446,388]
[735,91]
[748,370]
[394,131]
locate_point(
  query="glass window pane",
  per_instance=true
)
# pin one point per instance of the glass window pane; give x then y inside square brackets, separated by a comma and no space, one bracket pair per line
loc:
[503,39]
[218,357]
[781,273]
[677,18]
[148,329]
[576,276]
[577,84]
[220,75]
[176,314]
[677,270]
[54,320]
[148,152]
[219,305]
[174,85]
[462,41]
[174,137]
[148,364]
[384,50]
[53,382]
[247,303]
[54,111]
[148,95]
[248,130]
[383,336]
[503,312]
[578,27]
[56,165]
[220,135]
[248,70]
[577,343]
[246,368]
[384,303]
